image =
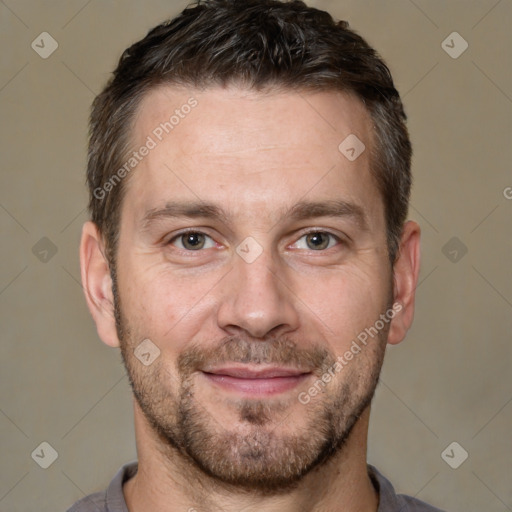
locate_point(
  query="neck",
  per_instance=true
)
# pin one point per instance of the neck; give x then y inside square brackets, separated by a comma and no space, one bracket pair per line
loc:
[167,482]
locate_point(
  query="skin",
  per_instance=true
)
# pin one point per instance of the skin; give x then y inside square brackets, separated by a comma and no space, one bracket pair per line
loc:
[255,155]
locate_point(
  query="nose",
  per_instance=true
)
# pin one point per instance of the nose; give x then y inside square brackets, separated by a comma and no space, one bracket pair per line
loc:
[257,299]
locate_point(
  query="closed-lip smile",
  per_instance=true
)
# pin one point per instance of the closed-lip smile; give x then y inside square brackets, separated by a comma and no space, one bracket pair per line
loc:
[255,379]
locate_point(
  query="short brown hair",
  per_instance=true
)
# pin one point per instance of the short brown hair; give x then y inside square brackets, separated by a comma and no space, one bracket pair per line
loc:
[261,45]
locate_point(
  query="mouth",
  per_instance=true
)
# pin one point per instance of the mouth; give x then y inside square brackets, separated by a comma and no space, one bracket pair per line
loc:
[255,380]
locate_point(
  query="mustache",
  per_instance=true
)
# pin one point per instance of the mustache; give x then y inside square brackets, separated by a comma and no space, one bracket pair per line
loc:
[280,351]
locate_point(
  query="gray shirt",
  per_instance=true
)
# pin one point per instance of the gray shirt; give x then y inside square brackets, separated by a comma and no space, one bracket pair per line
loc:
[112,500]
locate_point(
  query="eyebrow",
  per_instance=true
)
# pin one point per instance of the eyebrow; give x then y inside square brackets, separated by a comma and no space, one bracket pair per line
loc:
[335,208]
[184,209]
[303,210]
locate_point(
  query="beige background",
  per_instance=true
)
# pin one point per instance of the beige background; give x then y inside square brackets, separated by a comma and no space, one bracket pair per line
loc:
[449,381]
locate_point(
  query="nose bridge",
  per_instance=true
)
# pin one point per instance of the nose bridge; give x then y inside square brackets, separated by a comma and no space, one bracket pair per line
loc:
[256,298]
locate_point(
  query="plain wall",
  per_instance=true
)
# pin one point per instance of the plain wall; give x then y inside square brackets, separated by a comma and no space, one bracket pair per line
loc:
[450,380]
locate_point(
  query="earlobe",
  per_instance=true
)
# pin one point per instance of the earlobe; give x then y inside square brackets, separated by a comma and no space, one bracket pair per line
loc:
[97,283]
[405,275]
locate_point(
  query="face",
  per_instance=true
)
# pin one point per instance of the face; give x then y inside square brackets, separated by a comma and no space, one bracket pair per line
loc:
[252,254]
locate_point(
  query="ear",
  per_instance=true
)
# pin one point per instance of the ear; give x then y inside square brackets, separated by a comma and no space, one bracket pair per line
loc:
[406,270]
[97,283]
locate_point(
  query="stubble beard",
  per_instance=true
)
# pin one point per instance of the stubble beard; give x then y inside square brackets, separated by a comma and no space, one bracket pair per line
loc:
[254,455]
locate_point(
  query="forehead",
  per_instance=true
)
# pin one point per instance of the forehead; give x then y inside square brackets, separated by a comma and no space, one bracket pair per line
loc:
[248,150]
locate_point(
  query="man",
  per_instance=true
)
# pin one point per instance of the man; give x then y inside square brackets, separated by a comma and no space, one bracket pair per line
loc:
[249,171]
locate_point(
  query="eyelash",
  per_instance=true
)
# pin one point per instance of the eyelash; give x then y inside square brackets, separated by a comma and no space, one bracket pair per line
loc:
[195,231]
[186,232]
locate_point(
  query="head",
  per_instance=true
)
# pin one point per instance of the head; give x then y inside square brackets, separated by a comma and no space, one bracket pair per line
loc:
[249,177]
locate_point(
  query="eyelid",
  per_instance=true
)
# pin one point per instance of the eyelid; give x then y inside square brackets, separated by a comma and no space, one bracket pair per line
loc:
[184,232]
[340,239]
[322,230]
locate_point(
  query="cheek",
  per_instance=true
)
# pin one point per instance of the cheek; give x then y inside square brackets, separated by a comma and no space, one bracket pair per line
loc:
[165,306]
[347,302]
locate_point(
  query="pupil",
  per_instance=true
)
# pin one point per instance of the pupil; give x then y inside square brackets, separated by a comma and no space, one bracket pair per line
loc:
[193,240]
[318,240]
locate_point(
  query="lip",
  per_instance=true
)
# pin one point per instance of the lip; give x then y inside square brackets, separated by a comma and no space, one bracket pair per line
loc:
[255,381]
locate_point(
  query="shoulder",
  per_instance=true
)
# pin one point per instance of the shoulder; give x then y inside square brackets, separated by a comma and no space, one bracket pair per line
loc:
[389,501]
[414,505]
[110,500]
[96,502]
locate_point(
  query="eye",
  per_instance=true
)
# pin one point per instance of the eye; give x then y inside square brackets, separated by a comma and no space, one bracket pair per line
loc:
[317,241]
[192,241]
